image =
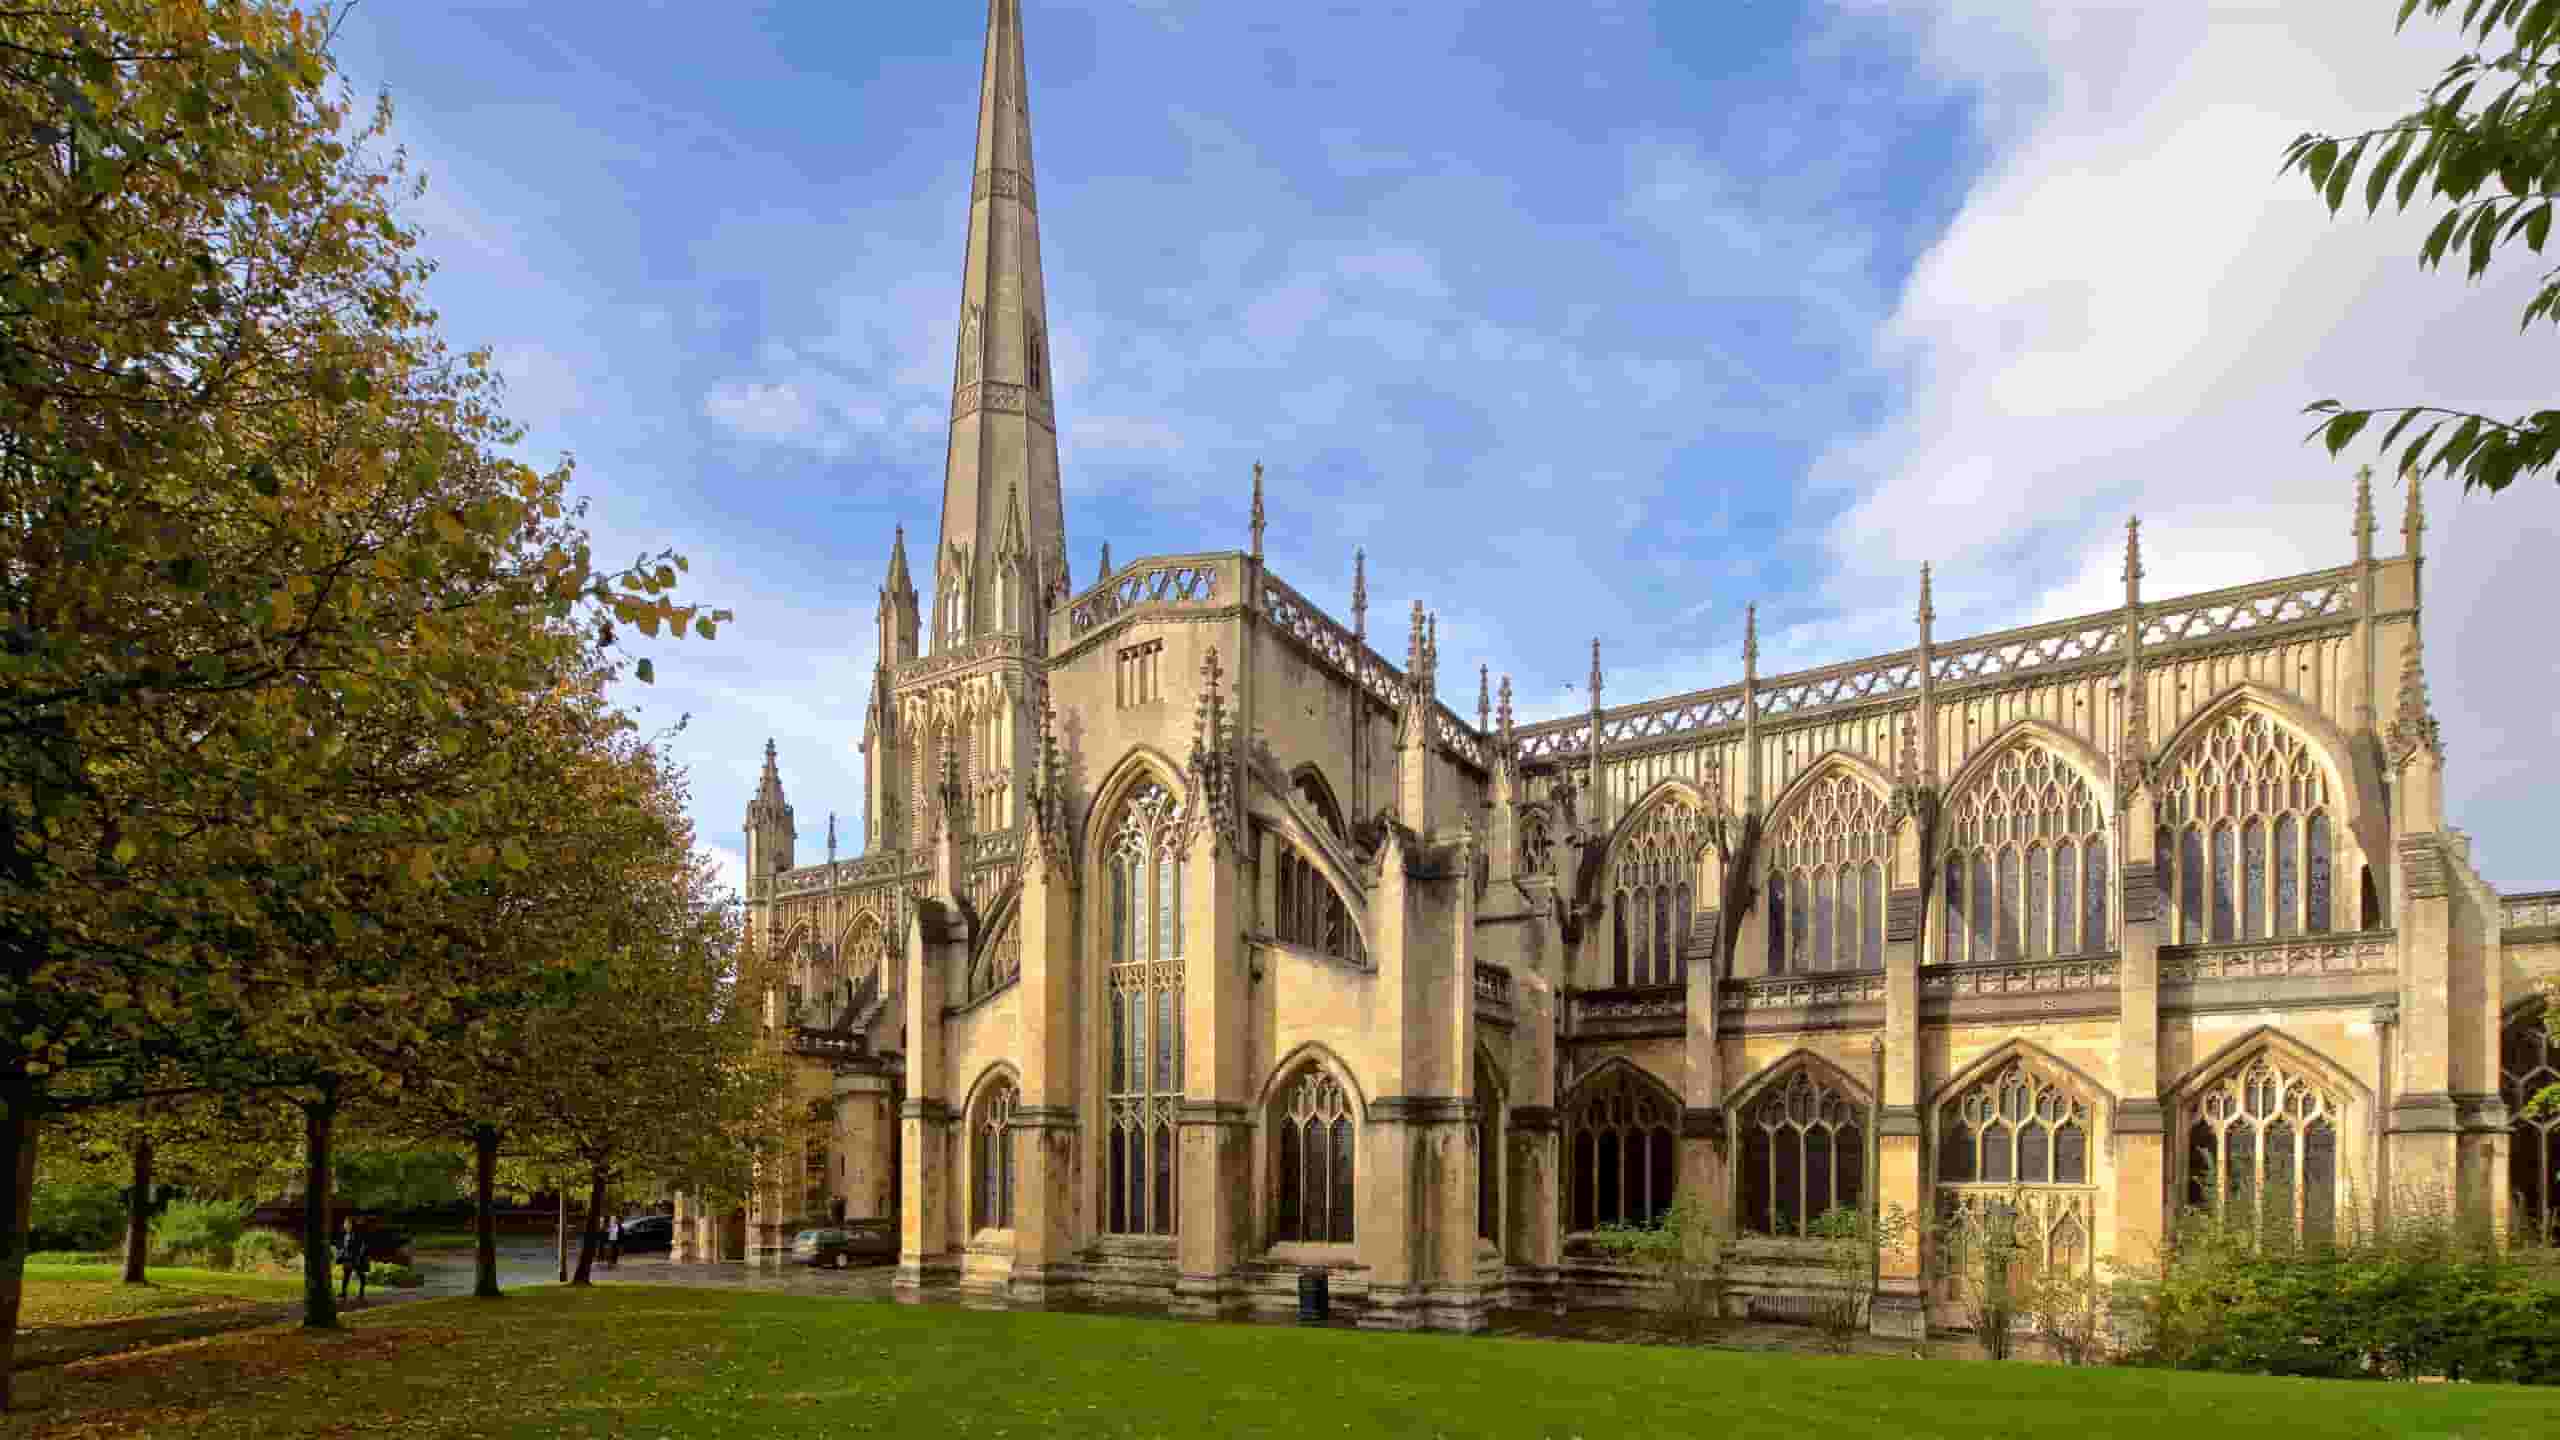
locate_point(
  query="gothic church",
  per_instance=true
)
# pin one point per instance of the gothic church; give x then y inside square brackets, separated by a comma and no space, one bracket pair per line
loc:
[1196,942]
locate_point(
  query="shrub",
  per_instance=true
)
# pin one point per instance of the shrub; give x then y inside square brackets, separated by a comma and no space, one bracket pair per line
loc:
[266,1250]
[2069,1307]
[199,1232]
[1686,1251]
[398,1276]
[1853,1247]
[1984,1250]
[84,1215]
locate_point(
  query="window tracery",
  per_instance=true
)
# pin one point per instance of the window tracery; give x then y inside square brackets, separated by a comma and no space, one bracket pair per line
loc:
[1826,879]
[1314,1169]
[2264,1139]
[1652,883]
[2529,1063]
[999,964]
[2020,1125]
[2026,872]
[1620,1132]
[1143,1093]
[1311,912]
[992,1141]
[1804,1152]
[2244,834]
[1318,796]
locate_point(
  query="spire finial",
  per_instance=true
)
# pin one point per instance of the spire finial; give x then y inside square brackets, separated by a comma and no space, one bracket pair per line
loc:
[1751,640]
[2133,560]
[1257,509]
[1431,649]
[831,837]
[1413,647]
[2364,512]
[2413,523]
[1360,591]
[1595,674]
[1484,698]
[2413,727]
[1502,714]
[1928,613]
[1106,562]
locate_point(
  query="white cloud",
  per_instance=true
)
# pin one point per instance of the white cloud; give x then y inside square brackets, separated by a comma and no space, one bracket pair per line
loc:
[2130,310]
[775,410]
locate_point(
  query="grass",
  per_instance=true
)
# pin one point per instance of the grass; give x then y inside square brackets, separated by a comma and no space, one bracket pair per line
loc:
[635,1361]
[89,1294]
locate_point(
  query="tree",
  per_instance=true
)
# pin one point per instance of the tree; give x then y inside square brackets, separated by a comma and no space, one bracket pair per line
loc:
[2495,169]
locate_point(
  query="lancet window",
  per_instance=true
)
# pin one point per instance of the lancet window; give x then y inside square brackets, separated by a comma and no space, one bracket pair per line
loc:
[2528,1064]
[1826,879]
[2026,872]
[1804,1151]
[2020,1125]
[2262,1144]
[1314,1168]
[1311,912]
[2246,820]
[991,1142]
[1653,881]
[1620,1131]
[1143,1093]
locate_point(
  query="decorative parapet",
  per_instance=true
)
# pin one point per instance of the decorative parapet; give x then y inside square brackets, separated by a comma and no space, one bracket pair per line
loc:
[1329,644]
[2365,954]
[994,848]
[1169,582]
[2535,910]
[960,656]
[888,866]
[2168,627]
[1493,988]
[1799,992]
[2018,977]
[1634,1002]
[825,1044]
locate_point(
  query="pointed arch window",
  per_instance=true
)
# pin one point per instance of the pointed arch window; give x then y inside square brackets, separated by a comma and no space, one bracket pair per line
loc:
[2027,873]
[2528,1064]
[991,1160]
[1315,1165]
[1804,1152]
[1653,879]
[1620,1132]
[997,965]
[2246,821]
[2262,1142]
[2020,1125]
[1826,879]
[1311,912]
[1143,1085]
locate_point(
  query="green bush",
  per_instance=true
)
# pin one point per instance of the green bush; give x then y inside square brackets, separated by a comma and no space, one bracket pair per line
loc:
[199,1232]
[266,1250]
[1687,1251]
[76,1215]
[400,1276]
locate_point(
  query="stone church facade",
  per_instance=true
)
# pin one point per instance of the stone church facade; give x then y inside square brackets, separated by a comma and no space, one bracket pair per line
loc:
[1195,942]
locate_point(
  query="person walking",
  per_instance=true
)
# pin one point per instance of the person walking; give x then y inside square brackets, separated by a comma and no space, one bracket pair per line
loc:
[353,1264]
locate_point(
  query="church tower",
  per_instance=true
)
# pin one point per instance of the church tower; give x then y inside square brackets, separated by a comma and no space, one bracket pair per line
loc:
[1003,544]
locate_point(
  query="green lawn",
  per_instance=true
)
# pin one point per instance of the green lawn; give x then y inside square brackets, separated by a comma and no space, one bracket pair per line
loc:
[60,1294]
[632,1361]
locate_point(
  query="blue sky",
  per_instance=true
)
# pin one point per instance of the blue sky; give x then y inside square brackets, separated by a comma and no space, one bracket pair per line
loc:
[1586,317]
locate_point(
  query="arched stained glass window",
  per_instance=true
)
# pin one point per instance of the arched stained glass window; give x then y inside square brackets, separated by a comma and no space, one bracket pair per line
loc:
[1313,1170]
[1312,912]
[991,1143]
[1652,876]
[2243,843]
[1804,1151]
[1620,1131]
[2026,875]
[2528,1064]
[1826,878]
[2021,1125]
[2263,1140]
[1143,1089]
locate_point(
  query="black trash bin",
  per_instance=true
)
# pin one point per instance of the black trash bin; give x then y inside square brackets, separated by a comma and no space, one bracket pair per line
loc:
[1315,1297]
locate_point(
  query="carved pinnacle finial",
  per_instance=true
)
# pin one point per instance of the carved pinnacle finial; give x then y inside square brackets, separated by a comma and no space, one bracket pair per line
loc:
[1927,611]
[1360,590]
[1257,509]
[1208,719]
[2133,560]
[1484,698]
[1910,750]
[2414,727]
[2364,512]
[1595,674]
[1751,640]
[1502,715]
[1106,562]
[1413,644]
[831,837]
[1431,648]
[2413,522]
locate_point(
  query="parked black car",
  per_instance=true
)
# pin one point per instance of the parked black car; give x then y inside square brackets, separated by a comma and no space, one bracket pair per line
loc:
[648,1235]
[855,1242]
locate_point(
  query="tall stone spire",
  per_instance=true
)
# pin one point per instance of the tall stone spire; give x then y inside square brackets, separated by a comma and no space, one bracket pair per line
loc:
[1004,435]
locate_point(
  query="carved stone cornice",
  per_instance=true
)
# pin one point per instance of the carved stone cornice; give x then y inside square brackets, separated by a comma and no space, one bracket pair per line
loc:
[1422,1109]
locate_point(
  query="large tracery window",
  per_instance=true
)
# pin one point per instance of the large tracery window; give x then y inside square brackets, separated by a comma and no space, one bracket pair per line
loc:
[1620,1132]
[991,1159]
[1826,879]
[1653,880]
[1143,1088]
[2245,829]
[2528,1064]
[1311,912]
[1804,1152]
[2262,1144]
[1314,1168]
[2016,1143]
[2026,870]
[998,964]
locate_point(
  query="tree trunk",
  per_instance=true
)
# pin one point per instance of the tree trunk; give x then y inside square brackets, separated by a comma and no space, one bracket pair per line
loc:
[484,1147]
[560,1242]
[592,1233]
[319,1300]
[17,1210]
[137,1215]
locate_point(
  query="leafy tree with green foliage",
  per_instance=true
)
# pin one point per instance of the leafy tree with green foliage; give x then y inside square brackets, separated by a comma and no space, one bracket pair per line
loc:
[2486,147]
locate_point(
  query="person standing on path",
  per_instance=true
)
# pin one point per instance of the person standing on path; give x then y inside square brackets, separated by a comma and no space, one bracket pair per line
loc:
[613,1243]
[353,1263]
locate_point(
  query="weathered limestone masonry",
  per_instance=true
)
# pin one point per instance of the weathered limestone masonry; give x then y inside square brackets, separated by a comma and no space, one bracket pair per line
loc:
[1192,944]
